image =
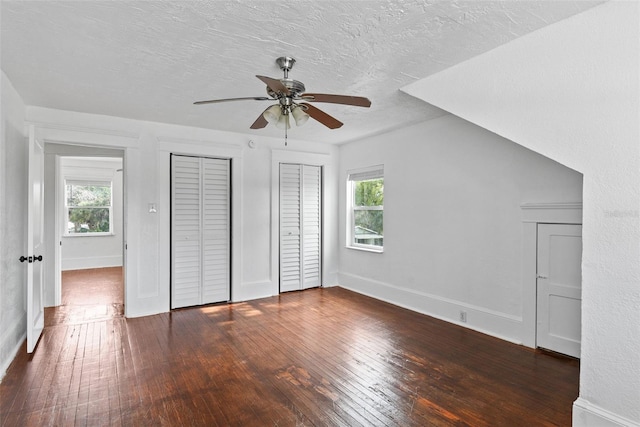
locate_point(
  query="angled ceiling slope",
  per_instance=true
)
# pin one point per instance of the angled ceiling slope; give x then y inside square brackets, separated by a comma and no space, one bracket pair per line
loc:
[547,88]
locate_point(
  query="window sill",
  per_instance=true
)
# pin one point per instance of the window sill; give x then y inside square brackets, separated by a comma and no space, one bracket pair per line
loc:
[366,249]
[89,235]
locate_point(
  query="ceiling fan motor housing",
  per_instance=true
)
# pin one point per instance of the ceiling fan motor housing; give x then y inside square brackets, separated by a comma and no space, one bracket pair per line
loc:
[295,89]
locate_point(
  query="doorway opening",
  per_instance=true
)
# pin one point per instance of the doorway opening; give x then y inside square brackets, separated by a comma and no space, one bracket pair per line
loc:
[87,232]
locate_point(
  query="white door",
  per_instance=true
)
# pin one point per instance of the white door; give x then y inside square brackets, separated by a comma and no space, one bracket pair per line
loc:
[35,249]
[559,287]
[300,226]
[311,226]
[215,234]
[200,232]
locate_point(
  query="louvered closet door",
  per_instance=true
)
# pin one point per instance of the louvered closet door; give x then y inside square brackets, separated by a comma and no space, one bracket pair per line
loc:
[300,226]
[199,231]
[310,226]
[185,233]
[290,248]
[215,231]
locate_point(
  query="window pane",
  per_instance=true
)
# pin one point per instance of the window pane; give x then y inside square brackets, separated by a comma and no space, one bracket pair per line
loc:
[88,195]
[368,227]
[369,193]
[88,220]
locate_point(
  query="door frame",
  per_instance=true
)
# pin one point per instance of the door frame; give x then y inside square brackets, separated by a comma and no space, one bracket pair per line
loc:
[532,215]
[231,212]
[298,157]
[167,146]
[102,139]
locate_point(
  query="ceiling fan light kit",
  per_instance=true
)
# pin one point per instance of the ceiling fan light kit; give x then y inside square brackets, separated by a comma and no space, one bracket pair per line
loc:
[299,115]
[293,101]
[283,122]
[272,114]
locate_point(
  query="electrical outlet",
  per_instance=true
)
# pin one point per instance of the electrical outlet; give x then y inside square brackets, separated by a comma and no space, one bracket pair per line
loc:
[463,316]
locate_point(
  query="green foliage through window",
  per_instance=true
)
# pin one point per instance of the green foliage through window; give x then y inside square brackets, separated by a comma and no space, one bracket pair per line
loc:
[369,193]
[368,212]
[89,207]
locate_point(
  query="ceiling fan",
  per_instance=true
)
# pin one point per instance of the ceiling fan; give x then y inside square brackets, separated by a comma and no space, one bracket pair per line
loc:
[293,101]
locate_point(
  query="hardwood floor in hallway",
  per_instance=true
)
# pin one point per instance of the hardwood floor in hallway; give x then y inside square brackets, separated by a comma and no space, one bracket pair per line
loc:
[88,295]
[323,357]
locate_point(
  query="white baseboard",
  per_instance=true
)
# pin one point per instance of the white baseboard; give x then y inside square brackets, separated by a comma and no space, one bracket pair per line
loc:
[8,358]
[253,290]
[499,325]
[586,414]
[91,262]
[266,288]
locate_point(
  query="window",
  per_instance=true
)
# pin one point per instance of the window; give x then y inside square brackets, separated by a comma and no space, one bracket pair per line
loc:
[88,207]
[366,208]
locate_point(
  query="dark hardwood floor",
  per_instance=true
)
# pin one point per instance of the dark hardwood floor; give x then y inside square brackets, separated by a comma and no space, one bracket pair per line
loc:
[324,357]
[88,295]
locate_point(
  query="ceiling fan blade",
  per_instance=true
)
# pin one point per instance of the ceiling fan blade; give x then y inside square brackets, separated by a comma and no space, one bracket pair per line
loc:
[260,121]
[274,84]
[321,116]
[358,101]
[214,101]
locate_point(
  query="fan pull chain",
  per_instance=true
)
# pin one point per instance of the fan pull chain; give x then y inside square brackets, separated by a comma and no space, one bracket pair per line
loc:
[286,127]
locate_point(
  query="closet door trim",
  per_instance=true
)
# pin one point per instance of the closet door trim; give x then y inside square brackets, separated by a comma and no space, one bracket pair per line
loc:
[300,217]
[314,159]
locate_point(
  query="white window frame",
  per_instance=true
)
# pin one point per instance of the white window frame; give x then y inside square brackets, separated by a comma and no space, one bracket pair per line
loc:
[87,181]
[363,174]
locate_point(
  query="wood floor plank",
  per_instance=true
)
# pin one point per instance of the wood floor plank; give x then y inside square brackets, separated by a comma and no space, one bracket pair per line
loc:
[365,395]
[305,373]
[322,357]
[290,380]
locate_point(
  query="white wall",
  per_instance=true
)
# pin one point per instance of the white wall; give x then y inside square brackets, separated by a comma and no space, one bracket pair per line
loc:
[452,221]
[13,224]
[82,251]
[571,91]
[147,148]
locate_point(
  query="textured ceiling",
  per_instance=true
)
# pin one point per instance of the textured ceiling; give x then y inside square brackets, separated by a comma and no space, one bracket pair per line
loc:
[150,60]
